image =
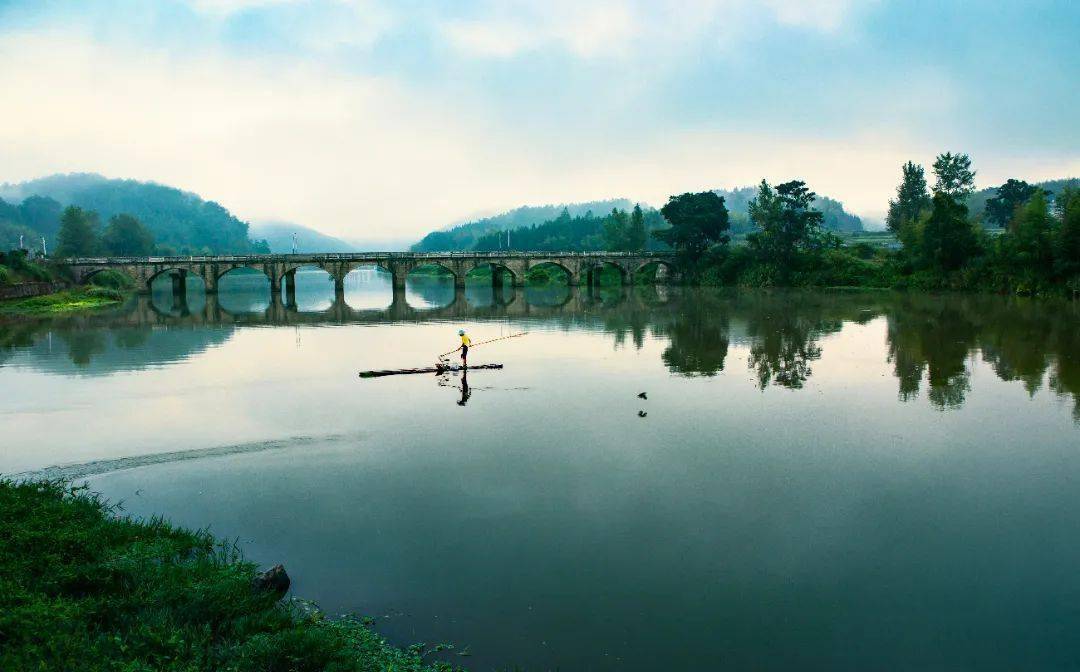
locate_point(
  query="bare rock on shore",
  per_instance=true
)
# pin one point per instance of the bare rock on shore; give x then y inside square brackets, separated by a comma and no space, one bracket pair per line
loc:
[275,580]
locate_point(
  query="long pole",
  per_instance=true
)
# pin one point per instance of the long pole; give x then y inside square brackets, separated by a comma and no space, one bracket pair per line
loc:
[492,340]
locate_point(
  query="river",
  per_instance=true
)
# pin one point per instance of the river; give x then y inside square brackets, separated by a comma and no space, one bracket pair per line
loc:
[815,480]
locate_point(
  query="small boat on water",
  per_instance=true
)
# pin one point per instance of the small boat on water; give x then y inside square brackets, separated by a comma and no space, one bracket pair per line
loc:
[438,370]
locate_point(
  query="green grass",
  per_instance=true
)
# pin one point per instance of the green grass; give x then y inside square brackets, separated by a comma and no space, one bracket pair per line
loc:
[85,589]
[71,300]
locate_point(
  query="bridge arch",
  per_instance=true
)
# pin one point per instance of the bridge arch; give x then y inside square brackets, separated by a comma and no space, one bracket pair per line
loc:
[595,272]
[540,270]
[500,273]
[440,267]
[87,276]
[188,271]
[225,270]
[655,271]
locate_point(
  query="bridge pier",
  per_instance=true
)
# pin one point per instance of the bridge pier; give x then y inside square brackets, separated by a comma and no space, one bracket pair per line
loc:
[179,284]
[290,288]
[398,293]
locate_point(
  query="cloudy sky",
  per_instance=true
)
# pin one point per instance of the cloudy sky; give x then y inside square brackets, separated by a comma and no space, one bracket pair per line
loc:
[383,119]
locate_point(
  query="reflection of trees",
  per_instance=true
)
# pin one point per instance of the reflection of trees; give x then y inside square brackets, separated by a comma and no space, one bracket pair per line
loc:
[1021,339]
[699,335]
[83,345]
[15,337]
[784,329]
[1065,379]
[931,335]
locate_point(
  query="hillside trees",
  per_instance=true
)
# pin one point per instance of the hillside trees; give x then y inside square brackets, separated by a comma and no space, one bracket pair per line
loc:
[78,236]
[127,237]
[697,222]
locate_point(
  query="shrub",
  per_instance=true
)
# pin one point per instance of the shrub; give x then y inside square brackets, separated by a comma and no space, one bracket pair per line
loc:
[105,293]
[113,279]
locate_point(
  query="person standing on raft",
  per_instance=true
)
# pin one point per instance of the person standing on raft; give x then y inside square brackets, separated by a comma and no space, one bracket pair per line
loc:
[465,343]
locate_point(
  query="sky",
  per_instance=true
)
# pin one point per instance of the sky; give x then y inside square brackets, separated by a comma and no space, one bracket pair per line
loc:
[385,119]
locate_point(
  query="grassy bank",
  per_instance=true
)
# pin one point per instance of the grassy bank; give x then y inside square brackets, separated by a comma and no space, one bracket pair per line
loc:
[76,299]
[82,588]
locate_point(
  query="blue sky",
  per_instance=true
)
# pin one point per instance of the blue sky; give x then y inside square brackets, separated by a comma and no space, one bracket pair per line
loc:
[380,119]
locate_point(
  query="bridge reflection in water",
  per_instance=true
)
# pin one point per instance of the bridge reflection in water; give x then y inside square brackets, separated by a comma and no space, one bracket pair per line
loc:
[424,300]
[933,345]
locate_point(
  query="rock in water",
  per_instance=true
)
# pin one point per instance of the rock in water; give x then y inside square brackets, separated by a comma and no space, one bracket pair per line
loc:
[275,580]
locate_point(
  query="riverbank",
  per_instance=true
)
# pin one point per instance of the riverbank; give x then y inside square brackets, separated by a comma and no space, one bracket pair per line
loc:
[65,301]
[82,587]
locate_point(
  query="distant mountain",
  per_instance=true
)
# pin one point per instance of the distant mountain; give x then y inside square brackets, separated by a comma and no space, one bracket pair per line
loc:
[465,236]
[977,202]
[738,204]
[181,221]
[279,236]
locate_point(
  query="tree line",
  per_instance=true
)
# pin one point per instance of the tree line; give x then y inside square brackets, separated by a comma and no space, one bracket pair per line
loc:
[941,245]
[81,235]
[617,231]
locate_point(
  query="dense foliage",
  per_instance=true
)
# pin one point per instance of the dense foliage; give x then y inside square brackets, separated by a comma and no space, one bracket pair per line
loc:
[82,588]
[942,245]
[467,236]
[618,230]
[180,222]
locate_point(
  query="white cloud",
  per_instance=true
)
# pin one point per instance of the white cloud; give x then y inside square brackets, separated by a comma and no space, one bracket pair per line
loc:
[617,28]
[583,29]
[233,6]
[826,16]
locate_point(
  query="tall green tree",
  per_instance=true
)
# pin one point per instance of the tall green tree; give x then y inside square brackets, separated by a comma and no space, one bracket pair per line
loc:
[697,222]
[954,175]
[1027,246]
[786,224]
[948,239]
[78,236]
[126,236]
[1001,208]
[636,234]
[912,198]
[615,230]
[1067,238]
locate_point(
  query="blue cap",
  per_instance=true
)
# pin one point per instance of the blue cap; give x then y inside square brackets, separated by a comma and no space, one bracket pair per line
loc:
[460,332]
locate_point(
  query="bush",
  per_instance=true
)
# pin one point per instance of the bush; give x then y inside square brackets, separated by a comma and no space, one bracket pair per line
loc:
[105,293]
[5,275]
[113,279]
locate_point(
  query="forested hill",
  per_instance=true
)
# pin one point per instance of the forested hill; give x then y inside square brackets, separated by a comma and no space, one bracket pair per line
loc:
[477,234]
[181,222]
[465,236]
[835,217]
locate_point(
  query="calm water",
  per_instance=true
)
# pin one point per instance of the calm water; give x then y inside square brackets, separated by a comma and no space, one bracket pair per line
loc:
[822,481]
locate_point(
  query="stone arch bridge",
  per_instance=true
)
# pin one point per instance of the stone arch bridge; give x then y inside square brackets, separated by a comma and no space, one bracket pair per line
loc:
[506,267]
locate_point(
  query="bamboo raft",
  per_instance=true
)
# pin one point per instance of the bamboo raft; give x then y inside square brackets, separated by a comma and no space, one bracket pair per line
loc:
[431,369]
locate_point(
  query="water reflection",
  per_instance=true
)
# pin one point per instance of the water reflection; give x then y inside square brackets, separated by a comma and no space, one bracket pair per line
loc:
[931,341]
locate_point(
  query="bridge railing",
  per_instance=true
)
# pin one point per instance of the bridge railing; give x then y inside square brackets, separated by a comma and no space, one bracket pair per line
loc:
[357,256]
